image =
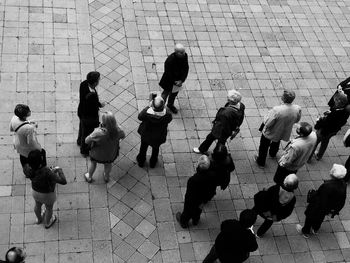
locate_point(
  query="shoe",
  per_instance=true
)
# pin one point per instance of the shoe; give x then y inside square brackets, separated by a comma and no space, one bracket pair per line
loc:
[153,163]
[195,222]
[88,178]
[256,160]
[105,178]
[178,219]
[173,109]
[299,230]
[313,232]
[196,150]
[139,162]
[52,221]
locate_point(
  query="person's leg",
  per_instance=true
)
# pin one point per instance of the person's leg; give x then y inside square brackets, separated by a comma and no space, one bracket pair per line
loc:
[212,256]
[206,143]
[281,174]
[88,126]
[264,227]
[108,168]
[141,157]
[154,156]
[274,147]
[48,214]
[318,133]
[196,215]
[263,148]
[79,134]
[37,211]
[92,168]
[317,222]
[171,99]
[307,225]
[23,160]
[43,155]
[165,94]
[324,145]
[347,166]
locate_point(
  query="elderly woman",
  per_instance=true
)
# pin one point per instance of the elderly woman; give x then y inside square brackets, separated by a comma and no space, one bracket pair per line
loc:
[44,182]
[275,203]
[104,143]
[25,139]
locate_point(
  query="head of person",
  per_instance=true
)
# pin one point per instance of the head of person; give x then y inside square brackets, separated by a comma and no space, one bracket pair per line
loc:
[290,183]
[22,111]
[203,163]
[220,152]
[288,96]
[93,78]
[340,100]
[179,50]
[35,159]
[247,218]
[337,172]
[15,255]
[234,96]
[109,122]
[158,104]
[304,129]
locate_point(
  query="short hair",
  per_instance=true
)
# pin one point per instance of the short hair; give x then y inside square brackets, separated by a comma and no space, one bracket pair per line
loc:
[158,104]
[179,48]
[340,100]
[305,129]
[35,159]
[14,255]
[234,96]
[338,171]
[290,183]
[92,77]
[288,96]
[21,111]
[247,218]
[220,152]
[203,162]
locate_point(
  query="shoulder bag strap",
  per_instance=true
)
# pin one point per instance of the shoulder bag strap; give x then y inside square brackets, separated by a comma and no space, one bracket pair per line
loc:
[24,123]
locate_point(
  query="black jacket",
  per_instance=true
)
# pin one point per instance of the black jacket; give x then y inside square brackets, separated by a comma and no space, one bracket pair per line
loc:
[329,198]
[83,107]
[227,120]
[153,128]
[175,68]
[345,85]
[333,122]
[222,170]
[234,242]
[268,200]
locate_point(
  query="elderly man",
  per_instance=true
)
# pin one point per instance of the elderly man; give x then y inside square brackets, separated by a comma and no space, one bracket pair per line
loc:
[296,153]
[328,199]
[14,255]
[226,123]
[153,129]
[278,124]
[201,188]
[175,74]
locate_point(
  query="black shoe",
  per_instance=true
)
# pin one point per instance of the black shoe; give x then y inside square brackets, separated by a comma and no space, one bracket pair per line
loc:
[152,163]
[173,109]
[139,162]
[195,222]
[178,219]
[256,160]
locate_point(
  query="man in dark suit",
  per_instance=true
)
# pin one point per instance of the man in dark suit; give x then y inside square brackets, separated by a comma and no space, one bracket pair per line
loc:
[175,74]
[235,241]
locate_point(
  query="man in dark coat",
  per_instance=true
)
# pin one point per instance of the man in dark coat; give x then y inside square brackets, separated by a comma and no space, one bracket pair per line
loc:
[328,199]
[226,123]
[153,129]
[201,188]
[235,241]
[87,113]
[343,87]
[276,203]
[175,74]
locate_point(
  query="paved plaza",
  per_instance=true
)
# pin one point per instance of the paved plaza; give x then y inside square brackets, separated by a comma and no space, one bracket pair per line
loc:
[257,46]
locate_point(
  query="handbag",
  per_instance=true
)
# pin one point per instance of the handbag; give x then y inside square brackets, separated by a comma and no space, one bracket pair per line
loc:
[310,195]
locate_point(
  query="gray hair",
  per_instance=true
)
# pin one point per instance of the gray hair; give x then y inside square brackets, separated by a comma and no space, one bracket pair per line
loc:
[203,163]
[234,96]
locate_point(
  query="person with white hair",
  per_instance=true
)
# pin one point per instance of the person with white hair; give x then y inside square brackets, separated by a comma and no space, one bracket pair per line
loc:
[275,203]
[201,188]
[175,73]
[227,121]
[329,199]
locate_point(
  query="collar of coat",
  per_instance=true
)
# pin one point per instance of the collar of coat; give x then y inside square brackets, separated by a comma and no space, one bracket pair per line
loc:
[157,113]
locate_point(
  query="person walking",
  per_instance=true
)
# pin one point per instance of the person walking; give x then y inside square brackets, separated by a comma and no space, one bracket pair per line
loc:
[329,125]
[296,153]
[104,146]
[201,188]
[43,181]
[235,241]
[278,124]
[175,73]
[153,129]
[226,123]
[25,139]
[343,87]
[88,108]
[15,255]
[328,199]
[276,203]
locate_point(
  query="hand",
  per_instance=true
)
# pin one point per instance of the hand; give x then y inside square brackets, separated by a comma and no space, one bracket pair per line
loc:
[178,83]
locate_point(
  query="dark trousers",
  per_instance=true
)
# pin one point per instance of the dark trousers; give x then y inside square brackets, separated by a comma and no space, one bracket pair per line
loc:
[264,146]
[208,141]
[87,127]
[141,157]
[313,222]
[347,166]
[79,133]
[24,160]
[281,174]
[167,93]
[324,140]
[212,256]
[264,227]
[190,212]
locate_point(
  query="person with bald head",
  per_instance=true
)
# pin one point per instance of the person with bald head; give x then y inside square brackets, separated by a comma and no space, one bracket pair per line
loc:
[14,255]
[175,73]
[153,129]
[275,203]
[201,188]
